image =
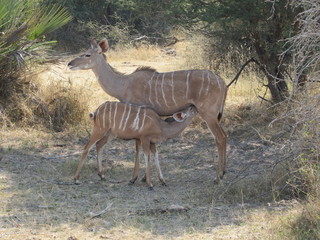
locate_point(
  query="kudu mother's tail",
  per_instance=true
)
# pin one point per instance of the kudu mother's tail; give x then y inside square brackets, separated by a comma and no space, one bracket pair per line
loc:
[222,104]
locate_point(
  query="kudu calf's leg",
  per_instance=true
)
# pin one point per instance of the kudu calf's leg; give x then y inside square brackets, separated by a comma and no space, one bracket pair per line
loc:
[153,149]
[99,147]
[156,159]
[145,143]
[95,137]
[221,142]
[136,163]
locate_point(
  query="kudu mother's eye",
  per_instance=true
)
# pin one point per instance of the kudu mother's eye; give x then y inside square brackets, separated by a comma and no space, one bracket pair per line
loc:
[87,55]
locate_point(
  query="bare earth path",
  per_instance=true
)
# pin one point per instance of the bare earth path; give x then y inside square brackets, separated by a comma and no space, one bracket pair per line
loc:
[38,199]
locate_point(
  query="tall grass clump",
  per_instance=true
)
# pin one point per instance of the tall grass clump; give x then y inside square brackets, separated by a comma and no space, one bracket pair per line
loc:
[303,149]
[62,105]
[302,153]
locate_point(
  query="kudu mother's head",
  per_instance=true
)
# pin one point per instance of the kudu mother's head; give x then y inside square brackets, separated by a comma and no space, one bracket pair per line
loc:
[91,56]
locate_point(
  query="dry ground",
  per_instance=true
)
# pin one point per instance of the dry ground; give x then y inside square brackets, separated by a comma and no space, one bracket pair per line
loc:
[39,200]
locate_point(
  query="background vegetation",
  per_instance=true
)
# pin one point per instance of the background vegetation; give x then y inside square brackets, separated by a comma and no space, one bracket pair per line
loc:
[281,39]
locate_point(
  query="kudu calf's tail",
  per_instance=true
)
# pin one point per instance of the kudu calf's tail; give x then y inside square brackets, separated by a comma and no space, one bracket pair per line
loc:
[91,115]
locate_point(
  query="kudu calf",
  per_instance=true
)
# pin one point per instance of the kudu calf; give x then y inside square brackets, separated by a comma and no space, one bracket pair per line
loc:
[166,93]
[126,121]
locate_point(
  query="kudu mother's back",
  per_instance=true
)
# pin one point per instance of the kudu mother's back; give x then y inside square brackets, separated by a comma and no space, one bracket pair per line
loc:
[166,93]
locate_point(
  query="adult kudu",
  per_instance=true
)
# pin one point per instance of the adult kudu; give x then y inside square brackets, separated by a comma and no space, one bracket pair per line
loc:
[166,93]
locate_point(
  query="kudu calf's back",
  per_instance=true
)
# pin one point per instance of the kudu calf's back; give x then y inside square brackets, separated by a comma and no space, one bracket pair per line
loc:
[126,121]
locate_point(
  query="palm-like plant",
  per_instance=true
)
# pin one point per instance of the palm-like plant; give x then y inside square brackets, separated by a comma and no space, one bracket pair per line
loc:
[23,26]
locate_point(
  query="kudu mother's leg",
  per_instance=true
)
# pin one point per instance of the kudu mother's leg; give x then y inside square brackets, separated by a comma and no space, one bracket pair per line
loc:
[99,147]
[221,142]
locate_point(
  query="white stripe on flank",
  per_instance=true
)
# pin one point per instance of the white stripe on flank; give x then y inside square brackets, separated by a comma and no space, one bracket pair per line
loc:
[144,117]
[172,84]
[201,84]
[150,84]
[187,90]
[135,124]
[155,90]
[163,95]
[208,77]
[114,117]
[110,113]
[128,115]
[124,112]
[104,115]
[98,117]
[216,77]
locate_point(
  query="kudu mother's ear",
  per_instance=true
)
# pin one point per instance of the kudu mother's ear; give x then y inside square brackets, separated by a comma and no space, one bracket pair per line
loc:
[104,45]
[179,116]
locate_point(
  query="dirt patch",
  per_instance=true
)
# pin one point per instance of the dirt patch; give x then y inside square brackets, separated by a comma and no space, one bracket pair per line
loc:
[39,198]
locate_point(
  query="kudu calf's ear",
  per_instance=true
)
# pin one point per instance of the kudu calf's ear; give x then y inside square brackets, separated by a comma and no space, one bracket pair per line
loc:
[104,45]
[179,116]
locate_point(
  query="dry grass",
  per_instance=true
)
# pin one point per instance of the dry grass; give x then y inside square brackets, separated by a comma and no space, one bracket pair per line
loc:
[38,199]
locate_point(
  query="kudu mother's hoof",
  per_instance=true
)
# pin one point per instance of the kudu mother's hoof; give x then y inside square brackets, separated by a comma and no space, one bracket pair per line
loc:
[150,188]
[132,181]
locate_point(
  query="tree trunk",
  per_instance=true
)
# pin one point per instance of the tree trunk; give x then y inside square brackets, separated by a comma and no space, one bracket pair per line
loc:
[277,85]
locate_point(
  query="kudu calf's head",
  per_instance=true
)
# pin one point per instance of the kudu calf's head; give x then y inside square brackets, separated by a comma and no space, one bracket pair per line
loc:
[90,57]
[181,116]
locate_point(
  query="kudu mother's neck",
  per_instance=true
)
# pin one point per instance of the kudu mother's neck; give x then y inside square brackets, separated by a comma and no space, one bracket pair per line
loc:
[111,82]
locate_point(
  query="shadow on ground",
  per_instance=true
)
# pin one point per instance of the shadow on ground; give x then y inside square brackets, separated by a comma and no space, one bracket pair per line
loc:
[38,192]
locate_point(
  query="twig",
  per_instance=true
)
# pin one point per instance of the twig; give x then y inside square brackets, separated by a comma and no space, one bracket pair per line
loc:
[235,79]
[94,215]
[264,99]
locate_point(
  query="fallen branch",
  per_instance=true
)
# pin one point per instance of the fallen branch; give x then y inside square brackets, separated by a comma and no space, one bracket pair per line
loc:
[62,156]
[94,215]
[163,41]
[163,210]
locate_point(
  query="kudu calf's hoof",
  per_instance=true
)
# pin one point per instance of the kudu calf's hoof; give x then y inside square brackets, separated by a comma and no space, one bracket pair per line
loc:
[218,179]
[150,188]
[163,183]
[102,176]
[77,182]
